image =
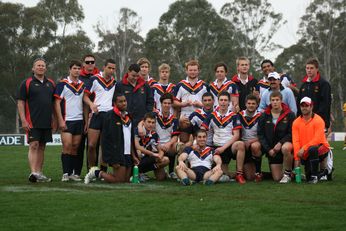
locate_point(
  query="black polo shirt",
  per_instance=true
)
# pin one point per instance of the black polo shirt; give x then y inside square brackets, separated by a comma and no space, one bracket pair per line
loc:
[38,97]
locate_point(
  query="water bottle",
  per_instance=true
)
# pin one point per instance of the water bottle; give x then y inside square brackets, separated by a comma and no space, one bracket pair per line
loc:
[298,173]
[135,178]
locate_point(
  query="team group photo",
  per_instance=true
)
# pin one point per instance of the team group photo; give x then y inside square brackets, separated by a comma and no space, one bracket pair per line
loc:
[186,114]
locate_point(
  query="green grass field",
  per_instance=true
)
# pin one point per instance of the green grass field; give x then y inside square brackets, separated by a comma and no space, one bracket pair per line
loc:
[165,205]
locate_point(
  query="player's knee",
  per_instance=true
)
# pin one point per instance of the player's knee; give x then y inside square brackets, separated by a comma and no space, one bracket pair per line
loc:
[286,148]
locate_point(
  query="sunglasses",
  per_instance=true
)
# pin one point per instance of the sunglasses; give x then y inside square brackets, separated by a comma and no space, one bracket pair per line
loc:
[89,62]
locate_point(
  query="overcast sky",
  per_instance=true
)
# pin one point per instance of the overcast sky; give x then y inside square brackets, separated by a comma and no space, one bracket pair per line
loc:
[150,11]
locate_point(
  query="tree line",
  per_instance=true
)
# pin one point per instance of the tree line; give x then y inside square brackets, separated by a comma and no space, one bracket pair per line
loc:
[190,29]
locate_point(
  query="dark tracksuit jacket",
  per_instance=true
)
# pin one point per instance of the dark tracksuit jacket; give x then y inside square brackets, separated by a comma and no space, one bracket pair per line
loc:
[140,98]
[319,91]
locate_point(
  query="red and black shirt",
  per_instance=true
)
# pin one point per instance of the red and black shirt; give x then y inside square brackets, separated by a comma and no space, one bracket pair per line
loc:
[38,98]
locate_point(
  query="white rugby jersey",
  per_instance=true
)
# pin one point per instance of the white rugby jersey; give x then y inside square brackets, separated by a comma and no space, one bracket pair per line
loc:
[103,91]
[158,90]
[196,118]
[227,85]
[204,158]
[185,91]
[71,95]
[249,125]
[262,85]
[222,126]
[166,127]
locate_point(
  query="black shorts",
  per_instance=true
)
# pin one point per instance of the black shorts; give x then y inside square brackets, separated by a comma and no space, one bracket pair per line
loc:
[147,163]
[200,171]
[74,127]
[43,135]
[96,120]
[227,155]
[277,159]
[128,163]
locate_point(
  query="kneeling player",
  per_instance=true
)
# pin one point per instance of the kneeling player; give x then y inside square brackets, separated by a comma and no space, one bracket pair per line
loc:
[117,145]
[151,156]
[201,159]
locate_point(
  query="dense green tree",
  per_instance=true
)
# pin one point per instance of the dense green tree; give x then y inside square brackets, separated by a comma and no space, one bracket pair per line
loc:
[29,32]
[322,30]
[258,21]
[124,44]
[192,30]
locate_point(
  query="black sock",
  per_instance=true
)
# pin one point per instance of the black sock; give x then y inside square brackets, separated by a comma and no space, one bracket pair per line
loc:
[97,173]
[65,161]
[70,164]
[171,164]
[287,172]
[258,163]
[314,166]
[103,168]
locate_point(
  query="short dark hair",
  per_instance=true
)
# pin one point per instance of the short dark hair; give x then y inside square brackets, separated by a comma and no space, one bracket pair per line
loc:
[276,94]
[207,94]
[200,131]
[117,95]
[312,61]
[224,93]
[134,67]
[112,61]
[75,62]
[251,97]
[166,96]
[221,64]
[88,55]
[267,61]
[149,115]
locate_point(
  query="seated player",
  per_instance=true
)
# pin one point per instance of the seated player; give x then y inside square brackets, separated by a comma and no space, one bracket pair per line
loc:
[117,141]
[200,159]
[225,127]
[249,143]
[150,154]
[275,135]
[309,141]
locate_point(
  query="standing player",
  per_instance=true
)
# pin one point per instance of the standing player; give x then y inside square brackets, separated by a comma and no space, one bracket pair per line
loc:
[88,70]
[246,83]
[163,85]
[69,108]
[221,83]
[275,85]
[150,153]
[318,90]
[102,85]
[249,142]
[275,135]
[310,144]
[201,159]
[188,96]
[117,139]
[138,94]
[35,108]
[225,127]
[145,67]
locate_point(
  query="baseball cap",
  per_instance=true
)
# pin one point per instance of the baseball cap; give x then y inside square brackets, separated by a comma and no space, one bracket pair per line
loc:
[274,75]
[306,100]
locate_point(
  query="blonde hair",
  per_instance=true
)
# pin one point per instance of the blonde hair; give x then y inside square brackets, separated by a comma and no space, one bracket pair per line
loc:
[164,66]
[143,60]
[243,58]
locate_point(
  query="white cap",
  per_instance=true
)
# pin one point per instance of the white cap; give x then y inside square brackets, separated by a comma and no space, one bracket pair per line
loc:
[274,75]
[306,100]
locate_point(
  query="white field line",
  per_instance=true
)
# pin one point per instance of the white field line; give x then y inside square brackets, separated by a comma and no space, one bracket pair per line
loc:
[139,187]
